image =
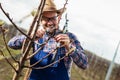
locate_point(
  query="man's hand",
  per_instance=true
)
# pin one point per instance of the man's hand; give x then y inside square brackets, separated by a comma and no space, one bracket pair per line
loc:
[63,39]
[39,34]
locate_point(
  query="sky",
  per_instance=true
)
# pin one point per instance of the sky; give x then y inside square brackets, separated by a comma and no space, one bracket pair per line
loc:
[95,22]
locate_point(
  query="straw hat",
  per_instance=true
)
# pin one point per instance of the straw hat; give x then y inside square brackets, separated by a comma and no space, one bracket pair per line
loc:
[50,6]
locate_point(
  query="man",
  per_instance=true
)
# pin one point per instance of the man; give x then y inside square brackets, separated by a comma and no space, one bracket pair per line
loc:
[49,25]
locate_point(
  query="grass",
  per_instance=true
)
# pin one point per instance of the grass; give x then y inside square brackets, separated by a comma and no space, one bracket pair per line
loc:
[6,71]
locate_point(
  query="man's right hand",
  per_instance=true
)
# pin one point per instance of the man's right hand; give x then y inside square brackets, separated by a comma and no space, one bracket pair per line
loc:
[40,32]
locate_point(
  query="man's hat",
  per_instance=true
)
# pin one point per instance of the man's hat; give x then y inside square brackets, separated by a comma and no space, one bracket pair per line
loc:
[50,6]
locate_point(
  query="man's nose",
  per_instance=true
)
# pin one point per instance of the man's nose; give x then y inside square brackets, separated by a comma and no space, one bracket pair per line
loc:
[50,22]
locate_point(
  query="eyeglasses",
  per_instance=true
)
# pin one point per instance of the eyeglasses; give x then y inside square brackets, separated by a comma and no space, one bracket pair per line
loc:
[49,18]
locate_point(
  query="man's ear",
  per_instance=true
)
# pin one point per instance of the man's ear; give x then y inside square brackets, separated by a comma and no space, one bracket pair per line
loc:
[59,17]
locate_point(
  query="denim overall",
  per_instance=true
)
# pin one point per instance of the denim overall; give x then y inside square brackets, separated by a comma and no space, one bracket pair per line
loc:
[56,72]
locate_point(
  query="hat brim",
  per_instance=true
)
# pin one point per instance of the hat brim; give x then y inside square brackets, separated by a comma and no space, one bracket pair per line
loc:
[59,11]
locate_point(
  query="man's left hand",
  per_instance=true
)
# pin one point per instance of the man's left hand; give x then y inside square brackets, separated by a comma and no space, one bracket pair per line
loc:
[63,39]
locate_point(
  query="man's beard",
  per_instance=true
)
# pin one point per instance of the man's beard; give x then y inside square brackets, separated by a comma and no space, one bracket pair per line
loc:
[50,30]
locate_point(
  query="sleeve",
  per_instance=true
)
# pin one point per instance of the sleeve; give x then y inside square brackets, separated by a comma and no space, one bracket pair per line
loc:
[78,56]
[16,42]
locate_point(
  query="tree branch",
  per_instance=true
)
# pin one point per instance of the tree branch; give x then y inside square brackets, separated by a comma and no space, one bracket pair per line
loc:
[8,61]
[7,15]
[3,33]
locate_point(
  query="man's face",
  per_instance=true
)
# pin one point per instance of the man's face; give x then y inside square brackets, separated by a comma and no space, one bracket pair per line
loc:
[49,21]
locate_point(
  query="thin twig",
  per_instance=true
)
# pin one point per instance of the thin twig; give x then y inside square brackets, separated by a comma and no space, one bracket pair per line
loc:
[66,54]
[62,11]
[34,53]
[44,57]
[6,45]
[7,15]
[8,61]
[41,46]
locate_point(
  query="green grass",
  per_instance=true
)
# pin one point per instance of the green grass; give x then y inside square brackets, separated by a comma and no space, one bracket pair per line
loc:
[6,71]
